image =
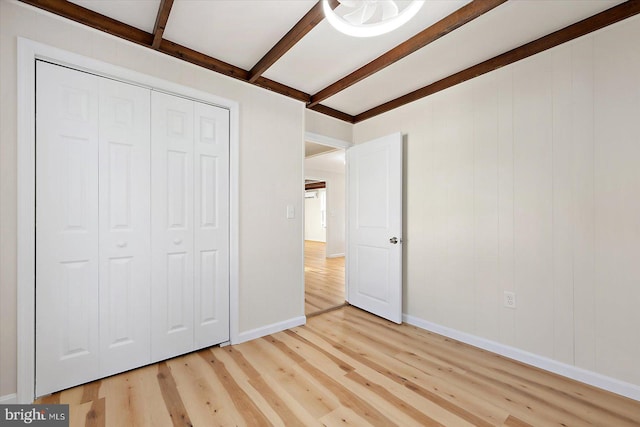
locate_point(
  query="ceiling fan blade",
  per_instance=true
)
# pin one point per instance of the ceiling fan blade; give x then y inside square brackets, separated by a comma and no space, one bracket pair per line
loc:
[389,9]
[369,9]
[351,3]
[356,17]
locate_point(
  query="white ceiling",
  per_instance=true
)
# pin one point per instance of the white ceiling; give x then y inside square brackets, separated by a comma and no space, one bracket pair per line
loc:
[241,32]
[333,161]
[313,149]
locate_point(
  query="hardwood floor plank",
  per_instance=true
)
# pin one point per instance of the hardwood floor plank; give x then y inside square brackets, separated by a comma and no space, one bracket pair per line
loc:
[90,392]
[146,401]
[52,399]
[294,408]
[340,363]
[245,406]
[171,396]
[206,404]
[515,422]
[121,404]
[388,398]
[259,390]
[96,415]
[296,382]
[72,396]
[78,413]
[344,417]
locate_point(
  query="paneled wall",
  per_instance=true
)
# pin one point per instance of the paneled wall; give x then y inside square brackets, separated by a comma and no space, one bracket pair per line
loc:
[527,179]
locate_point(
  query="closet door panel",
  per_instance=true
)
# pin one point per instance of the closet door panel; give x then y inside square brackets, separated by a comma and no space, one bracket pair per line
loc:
[124,226]
[171,225]
[67,330]
[211,240]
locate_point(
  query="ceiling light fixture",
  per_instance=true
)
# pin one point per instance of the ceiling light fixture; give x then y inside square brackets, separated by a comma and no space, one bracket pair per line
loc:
[365,19]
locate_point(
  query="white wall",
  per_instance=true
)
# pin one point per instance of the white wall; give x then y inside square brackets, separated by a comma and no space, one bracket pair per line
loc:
[313,229]
[528,179]
[271,146]
[327,126]
[336,209]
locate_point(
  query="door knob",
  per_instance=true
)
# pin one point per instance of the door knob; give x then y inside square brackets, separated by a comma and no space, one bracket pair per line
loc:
[177,241]
[394,240]
[121,244]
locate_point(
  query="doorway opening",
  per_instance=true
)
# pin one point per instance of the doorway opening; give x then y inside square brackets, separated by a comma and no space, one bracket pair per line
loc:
[324,236]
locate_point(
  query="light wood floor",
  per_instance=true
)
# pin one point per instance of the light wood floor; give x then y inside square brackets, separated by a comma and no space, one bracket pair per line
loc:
[323,278]
[345,367]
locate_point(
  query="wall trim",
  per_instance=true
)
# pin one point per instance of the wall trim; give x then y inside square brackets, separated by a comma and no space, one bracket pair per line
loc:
[595,379]
[28,52]
[271,329]
[9,399]
[326,140]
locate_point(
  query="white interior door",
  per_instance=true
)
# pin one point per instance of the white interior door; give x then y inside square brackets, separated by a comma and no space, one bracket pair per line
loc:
[374,215]
[124,226]
[172,227]
[67,230]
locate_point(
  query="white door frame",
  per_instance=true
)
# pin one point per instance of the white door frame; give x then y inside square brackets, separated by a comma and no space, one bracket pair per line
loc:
[28,52]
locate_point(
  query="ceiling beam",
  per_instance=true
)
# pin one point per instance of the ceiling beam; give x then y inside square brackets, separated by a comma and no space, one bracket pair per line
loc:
[579,29]
[93,19]
[295,34]
[315,186]
[333,113]
[274,86]
[181,52]
[460,17]
[161,22]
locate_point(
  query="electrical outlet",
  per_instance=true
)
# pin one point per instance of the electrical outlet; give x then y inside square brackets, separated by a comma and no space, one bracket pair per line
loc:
[509,299]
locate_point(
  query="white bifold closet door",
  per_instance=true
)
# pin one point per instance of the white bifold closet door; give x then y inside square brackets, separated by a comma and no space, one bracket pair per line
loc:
[92,227]
[132,226]
[190,256]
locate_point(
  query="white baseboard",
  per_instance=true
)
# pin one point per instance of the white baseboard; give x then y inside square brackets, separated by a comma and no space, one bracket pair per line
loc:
[9,399]
[335,256]
[613,385]
[270,329]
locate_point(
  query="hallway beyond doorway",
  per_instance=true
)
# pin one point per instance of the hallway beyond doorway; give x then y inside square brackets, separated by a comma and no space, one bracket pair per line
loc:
[324,279]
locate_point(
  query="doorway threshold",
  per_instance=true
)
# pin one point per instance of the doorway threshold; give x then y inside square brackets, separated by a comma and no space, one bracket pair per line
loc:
[326,310]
